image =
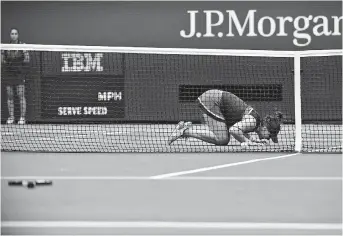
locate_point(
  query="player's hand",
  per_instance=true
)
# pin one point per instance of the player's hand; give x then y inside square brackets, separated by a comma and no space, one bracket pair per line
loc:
[264,141]
[253,139]
[244,145]
[250,143]
[259,141]
[26,58]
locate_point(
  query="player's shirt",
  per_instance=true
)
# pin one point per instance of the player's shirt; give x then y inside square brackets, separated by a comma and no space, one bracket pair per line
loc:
[226,107]
[210,102]
[14,58]
[14,70]
[232,108]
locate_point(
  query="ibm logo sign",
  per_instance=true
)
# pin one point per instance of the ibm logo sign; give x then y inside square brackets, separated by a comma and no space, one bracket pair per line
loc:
[78,62]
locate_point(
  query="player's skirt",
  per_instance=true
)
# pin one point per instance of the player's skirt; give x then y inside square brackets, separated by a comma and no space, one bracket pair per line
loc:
[215,102]
[13,75]
[210,103]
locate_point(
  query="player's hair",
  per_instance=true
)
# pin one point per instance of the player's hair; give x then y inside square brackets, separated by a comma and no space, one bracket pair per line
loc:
[14,28]
[276,117]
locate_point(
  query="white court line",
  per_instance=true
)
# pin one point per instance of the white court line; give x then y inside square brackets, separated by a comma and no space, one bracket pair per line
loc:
[200,178]
[163,224]
[187,172]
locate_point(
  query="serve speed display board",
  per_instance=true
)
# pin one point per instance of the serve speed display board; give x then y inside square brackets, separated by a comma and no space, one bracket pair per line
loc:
[82,86]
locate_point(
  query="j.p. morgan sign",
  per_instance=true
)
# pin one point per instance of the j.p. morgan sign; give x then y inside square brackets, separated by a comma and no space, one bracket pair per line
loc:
[227,24]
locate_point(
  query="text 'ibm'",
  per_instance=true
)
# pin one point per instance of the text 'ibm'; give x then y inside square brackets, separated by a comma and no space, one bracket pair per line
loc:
[78,62]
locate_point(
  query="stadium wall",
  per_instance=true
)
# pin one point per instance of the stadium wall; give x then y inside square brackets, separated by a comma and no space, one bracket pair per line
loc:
[140,24]
[158,24]
[151,87]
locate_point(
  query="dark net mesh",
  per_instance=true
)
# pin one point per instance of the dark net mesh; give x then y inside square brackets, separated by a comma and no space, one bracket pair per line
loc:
[114,102]
[321,90]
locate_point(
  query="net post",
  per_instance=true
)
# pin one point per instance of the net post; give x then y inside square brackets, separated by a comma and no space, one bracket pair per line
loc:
[297,101]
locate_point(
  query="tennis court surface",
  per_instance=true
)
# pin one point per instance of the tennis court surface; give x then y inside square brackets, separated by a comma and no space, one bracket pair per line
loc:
[242,193]
[98,122]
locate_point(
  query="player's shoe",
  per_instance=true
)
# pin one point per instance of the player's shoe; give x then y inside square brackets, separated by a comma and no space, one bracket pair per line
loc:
[187,126]
[10,120]
[21,121]
[178,131]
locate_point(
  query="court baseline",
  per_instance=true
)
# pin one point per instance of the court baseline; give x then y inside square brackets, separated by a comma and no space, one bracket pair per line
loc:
[174,174]
[189,178]
[164,224]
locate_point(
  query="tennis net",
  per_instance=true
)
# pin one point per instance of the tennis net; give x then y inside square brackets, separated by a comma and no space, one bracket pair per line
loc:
[113,99]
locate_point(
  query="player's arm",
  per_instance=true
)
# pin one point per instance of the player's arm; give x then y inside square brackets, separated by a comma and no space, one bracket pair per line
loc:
[240,131]
[249,137]
[26,56]
[3,56]
[253,139]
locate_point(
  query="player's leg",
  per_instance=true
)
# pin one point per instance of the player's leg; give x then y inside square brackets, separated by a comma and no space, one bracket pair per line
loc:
[178,131]
[22,100]
[246,125]
[10,104]
[212,131]
[215,130]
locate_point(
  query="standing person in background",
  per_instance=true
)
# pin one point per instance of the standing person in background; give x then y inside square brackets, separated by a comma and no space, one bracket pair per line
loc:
[15,64]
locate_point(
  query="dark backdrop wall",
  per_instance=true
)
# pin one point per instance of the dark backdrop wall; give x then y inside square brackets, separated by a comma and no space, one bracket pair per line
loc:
[155,86]
[153,24]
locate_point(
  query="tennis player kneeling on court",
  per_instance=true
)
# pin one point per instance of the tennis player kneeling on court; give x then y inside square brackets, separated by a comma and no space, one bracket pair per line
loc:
[225,114]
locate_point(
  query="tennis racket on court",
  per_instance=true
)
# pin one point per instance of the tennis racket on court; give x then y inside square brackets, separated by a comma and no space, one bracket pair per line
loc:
[29,184]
